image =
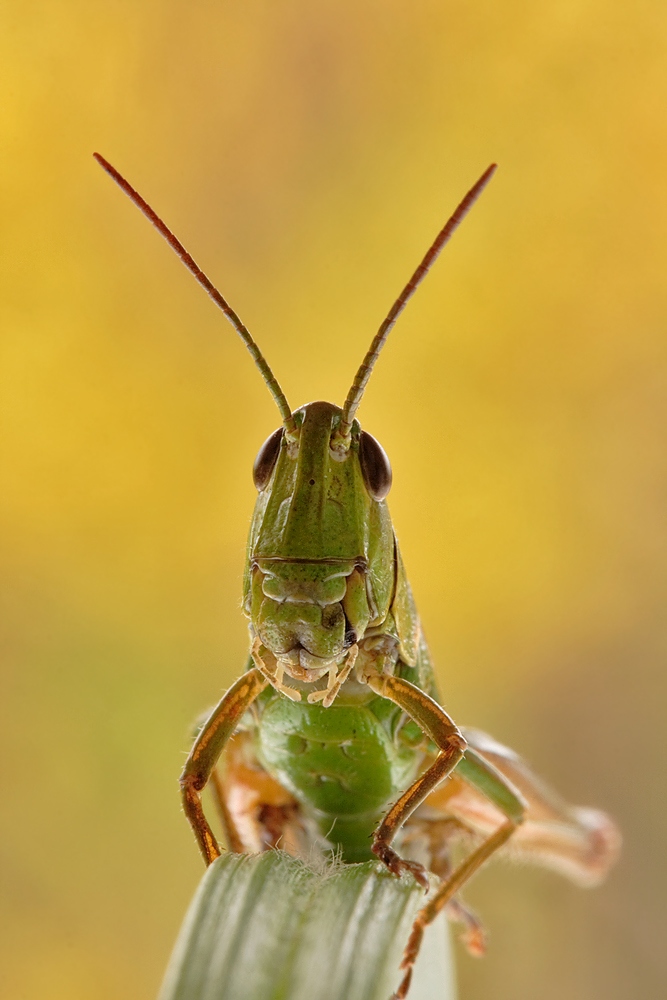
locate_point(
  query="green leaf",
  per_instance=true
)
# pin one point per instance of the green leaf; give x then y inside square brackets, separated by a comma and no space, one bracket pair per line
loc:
[268,927]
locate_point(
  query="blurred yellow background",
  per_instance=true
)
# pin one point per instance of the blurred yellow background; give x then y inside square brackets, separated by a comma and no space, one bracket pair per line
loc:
[307,153]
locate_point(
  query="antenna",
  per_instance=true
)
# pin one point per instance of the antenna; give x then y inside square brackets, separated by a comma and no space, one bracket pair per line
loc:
[209,287]
[367,365]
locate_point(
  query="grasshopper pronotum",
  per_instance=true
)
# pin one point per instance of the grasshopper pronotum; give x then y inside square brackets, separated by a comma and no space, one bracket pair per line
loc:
[334,734]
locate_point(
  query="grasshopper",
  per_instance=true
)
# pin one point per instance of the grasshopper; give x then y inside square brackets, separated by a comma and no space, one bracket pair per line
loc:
[334,734]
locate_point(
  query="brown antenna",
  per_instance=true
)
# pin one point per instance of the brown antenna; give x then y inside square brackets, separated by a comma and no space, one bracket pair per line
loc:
[367,365]
[209,287]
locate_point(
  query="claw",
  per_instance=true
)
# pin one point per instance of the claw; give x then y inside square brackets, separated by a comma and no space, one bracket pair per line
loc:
[397,865]
[418,872]
[472,936]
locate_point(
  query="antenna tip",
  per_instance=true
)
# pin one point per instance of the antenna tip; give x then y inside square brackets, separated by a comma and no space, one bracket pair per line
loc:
[113,174]
[477,188]
[102,162]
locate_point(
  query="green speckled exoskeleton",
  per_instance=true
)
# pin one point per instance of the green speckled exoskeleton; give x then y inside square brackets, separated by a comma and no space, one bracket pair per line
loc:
[334,734]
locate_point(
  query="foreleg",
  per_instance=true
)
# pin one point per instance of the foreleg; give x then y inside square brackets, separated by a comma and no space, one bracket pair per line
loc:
[208,746]
[437,725]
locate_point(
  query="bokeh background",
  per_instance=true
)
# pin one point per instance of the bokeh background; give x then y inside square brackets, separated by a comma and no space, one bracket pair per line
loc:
[307,153]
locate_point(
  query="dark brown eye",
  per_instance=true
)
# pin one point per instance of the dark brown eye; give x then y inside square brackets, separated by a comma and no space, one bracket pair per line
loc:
[266,459]
[375,466]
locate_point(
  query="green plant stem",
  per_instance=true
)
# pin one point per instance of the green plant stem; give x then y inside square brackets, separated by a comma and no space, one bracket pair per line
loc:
[268,927]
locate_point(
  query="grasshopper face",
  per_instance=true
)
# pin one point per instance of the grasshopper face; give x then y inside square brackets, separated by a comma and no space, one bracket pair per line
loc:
[321,565]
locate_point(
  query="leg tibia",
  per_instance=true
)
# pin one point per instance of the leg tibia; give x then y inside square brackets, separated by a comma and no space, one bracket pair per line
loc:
[207,748]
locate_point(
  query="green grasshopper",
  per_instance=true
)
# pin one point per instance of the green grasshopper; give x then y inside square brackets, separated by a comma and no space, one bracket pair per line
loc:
[334,733]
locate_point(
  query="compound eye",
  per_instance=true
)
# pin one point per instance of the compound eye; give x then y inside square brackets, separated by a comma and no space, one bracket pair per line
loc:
[375,466]
[266,459]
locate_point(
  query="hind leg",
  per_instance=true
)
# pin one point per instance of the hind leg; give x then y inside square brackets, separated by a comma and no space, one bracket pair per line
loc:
[439,837]
[495,787]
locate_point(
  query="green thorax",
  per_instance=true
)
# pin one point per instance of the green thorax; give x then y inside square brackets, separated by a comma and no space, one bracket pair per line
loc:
[345,764]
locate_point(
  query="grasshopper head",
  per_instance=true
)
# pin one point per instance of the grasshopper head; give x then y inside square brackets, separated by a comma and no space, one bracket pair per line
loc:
[321,546]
